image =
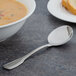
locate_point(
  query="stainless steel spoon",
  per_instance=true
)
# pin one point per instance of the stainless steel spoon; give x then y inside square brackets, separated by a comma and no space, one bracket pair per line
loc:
[59,36]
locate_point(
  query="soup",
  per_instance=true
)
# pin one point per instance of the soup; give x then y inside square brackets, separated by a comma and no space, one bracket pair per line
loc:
[11,11]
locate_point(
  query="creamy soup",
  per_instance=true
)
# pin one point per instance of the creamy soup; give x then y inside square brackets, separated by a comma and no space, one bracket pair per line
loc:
[11,11]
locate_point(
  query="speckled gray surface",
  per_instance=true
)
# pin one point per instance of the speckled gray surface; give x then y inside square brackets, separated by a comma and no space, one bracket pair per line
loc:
[55,61]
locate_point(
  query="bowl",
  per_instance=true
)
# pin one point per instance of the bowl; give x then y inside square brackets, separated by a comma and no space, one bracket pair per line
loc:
[10,29]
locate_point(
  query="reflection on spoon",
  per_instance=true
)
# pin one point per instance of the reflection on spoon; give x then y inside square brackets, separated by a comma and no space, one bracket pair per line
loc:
[59,36]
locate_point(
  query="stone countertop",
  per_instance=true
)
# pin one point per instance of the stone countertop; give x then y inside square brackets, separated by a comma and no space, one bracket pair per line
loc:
[54,61]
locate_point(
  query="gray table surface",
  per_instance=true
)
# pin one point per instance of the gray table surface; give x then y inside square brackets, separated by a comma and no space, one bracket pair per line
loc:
[55,61]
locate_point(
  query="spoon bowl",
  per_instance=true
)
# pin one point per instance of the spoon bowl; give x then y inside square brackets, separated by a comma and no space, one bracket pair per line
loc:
[60,35]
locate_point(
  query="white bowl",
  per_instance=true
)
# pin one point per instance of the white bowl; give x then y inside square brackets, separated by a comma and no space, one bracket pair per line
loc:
[8,30]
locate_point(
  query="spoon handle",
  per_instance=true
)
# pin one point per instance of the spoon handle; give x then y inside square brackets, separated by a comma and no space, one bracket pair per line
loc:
[34,51]
[19,61]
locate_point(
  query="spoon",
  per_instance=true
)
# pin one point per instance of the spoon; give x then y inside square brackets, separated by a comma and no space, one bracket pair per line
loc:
[59,36]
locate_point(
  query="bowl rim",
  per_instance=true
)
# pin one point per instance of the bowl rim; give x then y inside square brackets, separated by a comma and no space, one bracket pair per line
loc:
[25,17]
